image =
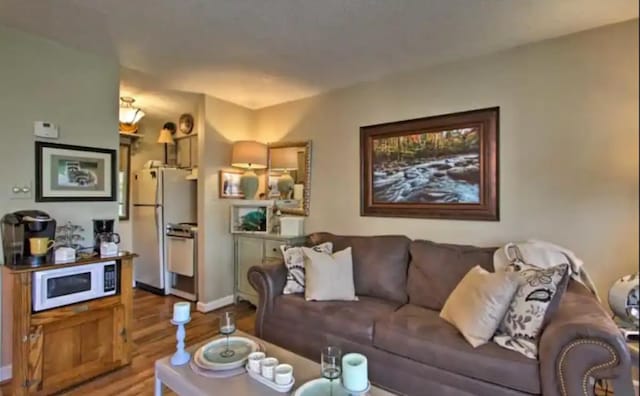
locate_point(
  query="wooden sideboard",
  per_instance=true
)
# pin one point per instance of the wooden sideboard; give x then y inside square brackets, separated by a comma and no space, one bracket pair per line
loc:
[57,348]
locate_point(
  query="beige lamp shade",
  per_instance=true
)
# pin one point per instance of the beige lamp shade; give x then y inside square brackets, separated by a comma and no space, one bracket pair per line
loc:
[165,137]
[249,154]
[285,158]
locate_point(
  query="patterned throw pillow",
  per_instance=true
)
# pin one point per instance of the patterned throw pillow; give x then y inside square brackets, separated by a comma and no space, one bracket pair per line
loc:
[294,261]
[528,313]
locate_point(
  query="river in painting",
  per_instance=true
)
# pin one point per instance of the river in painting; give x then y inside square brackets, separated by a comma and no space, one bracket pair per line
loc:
[431,167]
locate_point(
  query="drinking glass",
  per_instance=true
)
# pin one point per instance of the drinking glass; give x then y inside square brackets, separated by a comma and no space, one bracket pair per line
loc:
[227,327]
[331,365]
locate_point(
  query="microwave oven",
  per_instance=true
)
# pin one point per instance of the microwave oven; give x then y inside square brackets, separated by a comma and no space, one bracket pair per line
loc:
[69,285]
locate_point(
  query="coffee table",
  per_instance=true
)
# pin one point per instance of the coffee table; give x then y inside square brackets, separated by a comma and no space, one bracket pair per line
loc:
[185,382]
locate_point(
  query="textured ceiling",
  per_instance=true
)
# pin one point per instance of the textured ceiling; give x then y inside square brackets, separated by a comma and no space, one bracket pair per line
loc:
[258,53]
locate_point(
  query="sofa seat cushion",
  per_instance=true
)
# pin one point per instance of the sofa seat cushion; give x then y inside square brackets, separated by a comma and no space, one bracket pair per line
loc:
[421,335]
[352,320]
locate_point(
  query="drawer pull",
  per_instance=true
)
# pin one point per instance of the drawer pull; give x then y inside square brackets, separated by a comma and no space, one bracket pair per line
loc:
[80,308]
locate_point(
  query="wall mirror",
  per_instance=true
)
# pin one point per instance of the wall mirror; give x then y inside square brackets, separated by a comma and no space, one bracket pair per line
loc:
[289,176]
[124,171]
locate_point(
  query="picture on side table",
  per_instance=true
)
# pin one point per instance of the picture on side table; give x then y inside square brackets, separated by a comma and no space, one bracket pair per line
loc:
[230,184]
[435,167]
[74,173]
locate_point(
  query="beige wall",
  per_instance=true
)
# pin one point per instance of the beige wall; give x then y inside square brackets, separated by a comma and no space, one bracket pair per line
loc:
[568,145]
[42,80]
[223,123]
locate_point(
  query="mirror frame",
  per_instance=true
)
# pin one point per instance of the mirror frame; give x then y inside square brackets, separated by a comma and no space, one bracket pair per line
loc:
[127,184]
[306,200]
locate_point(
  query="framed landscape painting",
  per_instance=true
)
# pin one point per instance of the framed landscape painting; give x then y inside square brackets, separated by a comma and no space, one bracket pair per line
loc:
[436,167]
[74,173]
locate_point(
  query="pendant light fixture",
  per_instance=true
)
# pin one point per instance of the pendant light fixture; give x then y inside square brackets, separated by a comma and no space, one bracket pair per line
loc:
[129,115]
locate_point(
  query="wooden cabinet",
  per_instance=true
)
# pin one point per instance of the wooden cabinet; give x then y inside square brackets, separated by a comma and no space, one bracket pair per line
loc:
[57,348]
[255,249]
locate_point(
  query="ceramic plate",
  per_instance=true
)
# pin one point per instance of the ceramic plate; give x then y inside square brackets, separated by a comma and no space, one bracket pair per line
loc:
[208,356]
[320,387]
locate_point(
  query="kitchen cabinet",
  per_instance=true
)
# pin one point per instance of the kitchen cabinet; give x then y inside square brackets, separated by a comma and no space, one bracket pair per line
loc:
[54,349]
[256,249]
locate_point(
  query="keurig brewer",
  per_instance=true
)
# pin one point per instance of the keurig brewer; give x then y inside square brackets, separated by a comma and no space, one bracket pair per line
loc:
[18,228]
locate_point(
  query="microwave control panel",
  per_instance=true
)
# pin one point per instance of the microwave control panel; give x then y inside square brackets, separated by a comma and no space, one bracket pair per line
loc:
[110,278]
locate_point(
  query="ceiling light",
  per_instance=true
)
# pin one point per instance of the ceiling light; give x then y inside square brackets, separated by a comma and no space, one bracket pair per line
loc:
[129,115]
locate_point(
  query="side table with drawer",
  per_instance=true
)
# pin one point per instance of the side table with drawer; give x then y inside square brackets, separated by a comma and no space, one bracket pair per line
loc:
[255,249]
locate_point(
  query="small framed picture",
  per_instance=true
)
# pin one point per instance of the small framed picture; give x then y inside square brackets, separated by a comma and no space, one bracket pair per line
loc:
[230,184]
[251,217]
[74,173]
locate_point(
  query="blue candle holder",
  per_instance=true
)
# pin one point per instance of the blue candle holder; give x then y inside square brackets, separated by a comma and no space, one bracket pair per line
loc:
[181,356]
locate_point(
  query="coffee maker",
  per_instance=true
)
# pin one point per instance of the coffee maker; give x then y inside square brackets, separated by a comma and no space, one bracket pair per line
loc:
[103,232]
[18,227]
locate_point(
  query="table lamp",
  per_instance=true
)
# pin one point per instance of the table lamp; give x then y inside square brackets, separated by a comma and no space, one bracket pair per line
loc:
[284,159]
[249,155]
[166,138]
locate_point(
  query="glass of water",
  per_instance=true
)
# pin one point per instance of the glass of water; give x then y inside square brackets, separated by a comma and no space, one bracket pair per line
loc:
[331,365]
[227,327]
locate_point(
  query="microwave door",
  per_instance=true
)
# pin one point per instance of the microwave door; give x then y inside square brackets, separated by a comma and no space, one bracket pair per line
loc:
[55,288]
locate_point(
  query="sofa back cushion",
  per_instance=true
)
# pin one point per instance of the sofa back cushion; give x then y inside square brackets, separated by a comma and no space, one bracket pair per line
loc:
[379,263]
[437,268]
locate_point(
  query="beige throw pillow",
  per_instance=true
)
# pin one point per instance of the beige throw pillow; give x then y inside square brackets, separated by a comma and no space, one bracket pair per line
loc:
[479,302]
[329,276]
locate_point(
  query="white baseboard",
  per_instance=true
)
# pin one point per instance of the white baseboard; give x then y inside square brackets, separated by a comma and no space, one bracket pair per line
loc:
[215,304]
[5,372]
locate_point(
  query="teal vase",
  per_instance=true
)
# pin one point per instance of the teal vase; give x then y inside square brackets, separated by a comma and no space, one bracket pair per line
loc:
[249,184]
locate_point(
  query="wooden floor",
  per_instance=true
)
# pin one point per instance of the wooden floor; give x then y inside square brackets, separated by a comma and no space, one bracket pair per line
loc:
[153,338]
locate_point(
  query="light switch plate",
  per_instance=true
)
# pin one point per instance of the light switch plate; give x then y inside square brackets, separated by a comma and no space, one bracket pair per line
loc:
[20,191]
[45,129]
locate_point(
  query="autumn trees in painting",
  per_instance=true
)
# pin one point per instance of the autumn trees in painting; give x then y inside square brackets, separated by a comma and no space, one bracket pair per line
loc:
[426,145]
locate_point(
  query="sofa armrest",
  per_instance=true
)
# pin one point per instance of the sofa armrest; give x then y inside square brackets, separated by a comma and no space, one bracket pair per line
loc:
[268,279]
[580,344]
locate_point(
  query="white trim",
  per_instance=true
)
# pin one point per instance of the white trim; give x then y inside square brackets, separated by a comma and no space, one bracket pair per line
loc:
[5,372]
[215,304]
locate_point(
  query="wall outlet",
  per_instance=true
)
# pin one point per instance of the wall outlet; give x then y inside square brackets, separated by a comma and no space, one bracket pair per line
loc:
[20,191]
[45,129]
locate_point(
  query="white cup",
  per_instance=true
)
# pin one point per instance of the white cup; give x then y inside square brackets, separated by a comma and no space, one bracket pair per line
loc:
[284,374]
[255,360]
[268,368]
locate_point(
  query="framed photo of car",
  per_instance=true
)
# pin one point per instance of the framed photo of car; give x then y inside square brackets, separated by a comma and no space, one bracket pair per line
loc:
[74,173]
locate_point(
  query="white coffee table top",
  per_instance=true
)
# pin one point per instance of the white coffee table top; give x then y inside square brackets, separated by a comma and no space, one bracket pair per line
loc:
[184,381]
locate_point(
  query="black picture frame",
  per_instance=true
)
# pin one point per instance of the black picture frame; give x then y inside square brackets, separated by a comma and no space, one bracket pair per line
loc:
[42,196]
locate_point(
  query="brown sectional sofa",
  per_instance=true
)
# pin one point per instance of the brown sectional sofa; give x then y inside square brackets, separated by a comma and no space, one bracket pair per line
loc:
[402,285]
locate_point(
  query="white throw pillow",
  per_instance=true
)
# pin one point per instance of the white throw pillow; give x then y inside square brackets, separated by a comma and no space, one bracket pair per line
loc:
[329,277]
[528,311]
[294,261]
[478,303]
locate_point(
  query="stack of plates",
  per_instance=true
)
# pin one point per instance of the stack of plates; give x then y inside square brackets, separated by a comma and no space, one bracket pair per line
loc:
[209,357]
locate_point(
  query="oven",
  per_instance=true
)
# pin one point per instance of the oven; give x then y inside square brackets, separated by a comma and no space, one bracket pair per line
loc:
[69,285]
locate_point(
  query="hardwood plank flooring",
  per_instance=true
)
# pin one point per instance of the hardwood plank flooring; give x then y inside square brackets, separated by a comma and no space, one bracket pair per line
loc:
[153,337]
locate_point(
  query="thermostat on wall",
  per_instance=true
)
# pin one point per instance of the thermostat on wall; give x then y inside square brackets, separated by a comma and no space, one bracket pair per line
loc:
[45,129]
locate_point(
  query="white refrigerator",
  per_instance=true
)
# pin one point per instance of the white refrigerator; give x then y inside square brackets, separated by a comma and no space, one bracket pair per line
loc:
[160,196]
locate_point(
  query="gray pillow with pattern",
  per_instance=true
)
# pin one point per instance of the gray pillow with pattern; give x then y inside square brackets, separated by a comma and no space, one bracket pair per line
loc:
[529,311]
[294,261]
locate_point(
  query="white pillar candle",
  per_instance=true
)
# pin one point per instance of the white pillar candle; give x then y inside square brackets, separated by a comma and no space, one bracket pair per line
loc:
[354,372]
[181,311]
